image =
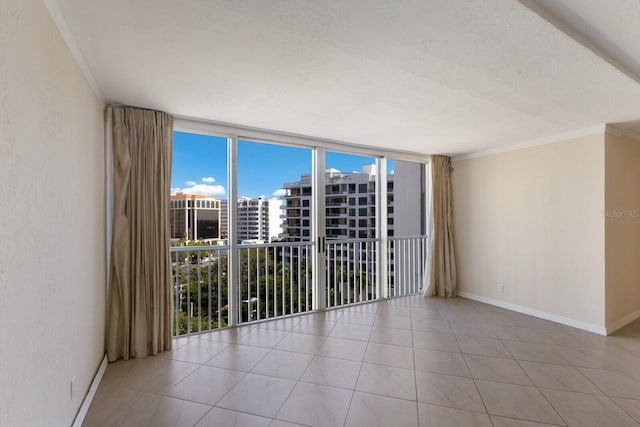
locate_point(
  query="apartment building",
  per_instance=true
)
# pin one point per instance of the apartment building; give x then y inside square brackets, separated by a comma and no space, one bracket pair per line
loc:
[350,205]
[194,217]
[350,201]
[258,219]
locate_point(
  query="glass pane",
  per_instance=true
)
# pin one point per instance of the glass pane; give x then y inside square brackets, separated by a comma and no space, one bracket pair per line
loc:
[406,226]
[350,227]
[274,229]
[198,230]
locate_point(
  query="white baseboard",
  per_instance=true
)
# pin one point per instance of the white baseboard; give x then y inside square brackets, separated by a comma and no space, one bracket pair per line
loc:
[621,323]
[86,403]
[537,313]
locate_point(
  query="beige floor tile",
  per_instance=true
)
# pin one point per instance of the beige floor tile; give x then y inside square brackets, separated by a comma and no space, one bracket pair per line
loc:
[587,410]
[351,332]
[450,391]
[435,341]
[389,355]
[300,343]
[472,329]
[482,346]
[596,358]
[265,338]
[393,321]
[559,377]
[257,395]
[284,325]
[535,352]
[178,342]
[108,403]
[390,336]
[380,411]
[440,362]
[370,307]
[228,335]
[430,325]
[207,385]
[196,351]
[283,364]
[117,373]
[630,406]
[343,349]
[332,372]
[426,312]
[387,381]
[496,369]
[517,401]
[439,416]
[238,357]
[313,327]
[379,374]
[613,383]
[154,410]
[280,423]
[316,405]
[517,333]
[512,422]
[158,375]
[358,318]
[224,417]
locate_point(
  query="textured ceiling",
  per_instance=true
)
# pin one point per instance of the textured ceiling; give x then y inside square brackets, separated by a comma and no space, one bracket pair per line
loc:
[437,76]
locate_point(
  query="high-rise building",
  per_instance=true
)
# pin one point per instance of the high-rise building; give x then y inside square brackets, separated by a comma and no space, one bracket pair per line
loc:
[258,219]
[194,217]
[350,201]
[350,215]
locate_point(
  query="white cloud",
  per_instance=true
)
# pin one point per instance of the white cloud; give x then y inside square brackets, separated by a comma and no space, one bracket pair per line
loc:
[279,192]
[193,187]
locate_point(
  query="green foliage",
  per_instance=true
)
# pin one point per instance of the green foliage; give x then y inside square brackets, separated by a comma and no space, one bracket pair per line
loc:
[267,288]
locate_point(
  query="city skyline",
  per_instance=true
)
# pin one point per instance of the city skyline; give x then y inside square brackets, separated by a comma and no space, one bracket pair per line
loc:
[199,166]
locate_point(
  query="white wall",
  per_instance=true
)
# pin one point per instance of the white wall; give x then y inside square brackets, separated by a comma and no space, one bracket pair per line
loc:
[622,226]
[532,219]
[52,222]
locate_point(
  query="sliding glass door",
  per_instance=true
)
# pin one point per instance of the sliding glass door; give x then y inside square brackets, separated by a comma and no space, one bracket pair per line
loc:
[263,230]
[273,226]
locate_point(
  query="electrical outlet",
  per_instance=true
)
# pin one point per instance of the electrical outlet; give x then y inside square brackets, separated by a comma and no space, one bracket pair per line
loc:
[72,387]
[500,287]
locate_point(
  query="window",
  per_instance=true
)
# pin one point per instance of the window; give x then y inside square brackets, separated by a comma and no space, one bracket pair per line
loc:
[280,175]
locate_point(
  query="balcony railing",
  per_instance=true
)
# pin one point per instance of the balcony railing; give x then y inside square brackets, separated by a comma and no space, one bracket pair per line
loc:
[407,258]
[275,279]
[351,271]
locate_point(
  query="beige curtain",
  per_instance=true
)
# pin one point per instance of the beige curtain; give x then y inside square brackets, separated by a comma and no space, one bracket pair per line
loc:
[441,265]
[139,304]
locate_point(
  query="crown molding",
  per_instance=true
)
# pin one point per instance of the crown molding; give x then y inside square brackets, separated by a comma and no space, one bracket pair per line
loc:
[594,130]
[615,130]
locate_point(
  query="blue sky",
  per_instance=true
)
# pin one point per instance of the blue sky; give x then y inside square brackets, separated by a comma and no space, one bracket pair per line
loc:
[199,165]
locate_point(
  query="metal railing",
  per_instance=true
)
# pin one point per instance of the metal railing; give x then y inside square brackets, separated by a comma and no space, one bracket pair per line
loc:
[407,258]
[351,271]
[275,279]
[201,291]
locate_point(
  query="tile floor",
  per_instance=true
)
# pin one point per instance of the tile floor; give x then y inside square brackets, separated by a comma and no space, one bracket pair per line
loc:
[403,362]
